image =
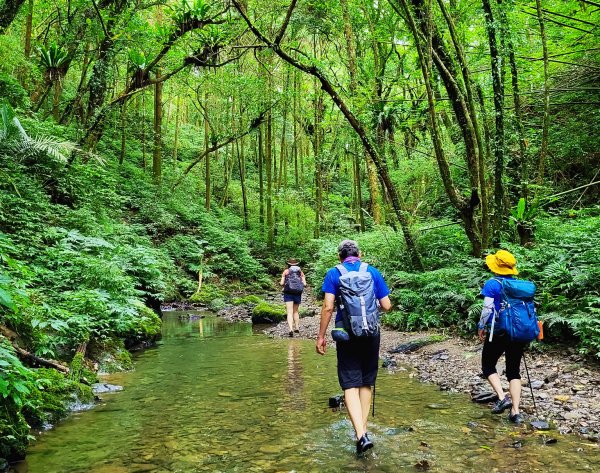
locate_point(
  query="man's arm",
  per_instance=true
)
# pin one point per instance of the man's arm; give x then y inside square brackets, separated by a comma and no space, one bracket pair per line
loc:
[283,275]
[326,313]
[385,304]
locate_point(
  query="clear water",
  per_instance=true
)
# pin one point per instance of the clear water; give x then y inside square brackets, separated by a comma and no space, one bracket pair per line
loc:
[217,397]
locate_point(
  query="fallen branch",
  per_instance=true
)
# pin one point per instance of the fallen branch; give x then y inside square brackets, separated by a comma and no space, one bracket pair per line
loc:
[30,358]
[34,360]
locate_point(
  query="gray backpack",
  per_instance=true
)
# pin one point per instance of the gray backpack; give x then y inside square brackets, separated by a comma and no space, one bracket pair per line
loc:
[293,281]
[357,301]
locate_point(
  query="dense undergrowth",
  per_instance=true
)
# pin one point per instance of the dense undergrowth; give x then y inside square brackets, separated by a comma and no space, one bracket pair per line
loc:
[87,249]
[564,262]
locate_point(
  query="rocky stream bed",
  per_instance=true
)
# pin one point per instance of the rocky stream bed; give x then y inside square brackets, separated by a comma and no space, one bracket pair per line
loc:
[566,386]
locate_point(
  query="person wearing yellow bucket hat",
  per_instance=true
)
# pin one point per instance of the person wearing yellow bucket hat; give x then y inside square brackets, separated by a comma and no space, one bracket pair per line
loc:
[504,265]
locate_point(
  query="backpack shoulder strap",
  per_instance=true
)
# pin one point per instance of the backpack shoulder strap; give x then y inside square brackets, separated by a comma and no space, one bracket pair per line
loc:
[501,282]
[342,269]
[363,268]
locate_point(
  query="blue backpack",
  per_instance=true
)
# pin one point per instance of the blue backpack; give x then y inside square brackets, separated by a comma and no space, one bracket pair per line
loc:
[357,301]
[517,318]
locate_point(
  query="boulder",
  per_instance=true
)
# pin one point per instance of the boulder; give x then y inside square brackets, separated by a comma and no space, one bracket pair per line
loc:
[103,388]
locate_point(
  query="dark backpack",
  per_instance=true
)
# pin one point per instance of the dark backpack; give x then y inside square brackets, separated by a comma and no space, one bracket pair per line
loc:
[517,318]
[293,281]
[357,301]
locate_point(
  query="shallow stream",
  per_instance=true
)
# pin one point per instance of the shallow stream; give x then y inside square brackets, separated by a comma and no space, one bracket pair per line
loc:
[214,396]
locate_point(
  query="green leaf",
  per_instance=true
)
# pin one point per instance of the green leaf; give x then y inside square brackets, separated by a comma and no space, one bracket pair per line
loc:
[521,208]
[6,300]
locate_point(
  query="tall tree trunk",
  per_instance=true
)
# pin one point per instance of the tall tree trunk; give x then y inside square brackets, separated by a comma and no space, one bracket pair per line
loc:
[28,28]
[318,117]
[158,116]
[123,132]
[144,164]
[465,208]
[242,169]
[498,87]
[283,132]
[546,119]
[295,125]
[176,137]
[261,188]
[57,86]
[523,165]
[471,102]
[269,176]
[361,214]
[207,175]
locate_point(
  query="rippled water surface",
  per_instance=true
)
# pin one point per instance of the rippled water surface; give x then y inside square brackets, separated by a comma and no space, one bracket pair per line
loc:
[217,397]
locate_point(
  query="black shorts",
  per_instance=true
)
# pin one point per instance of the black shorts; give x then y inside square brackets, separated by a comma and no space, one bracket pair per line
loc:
[358,362]
[492,351]
[295,298]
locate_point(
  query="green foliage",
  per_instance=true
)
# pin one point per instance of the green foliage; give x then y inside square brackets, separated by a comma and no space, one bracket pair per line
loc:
[13,92]
[247,300]
[439,298]
[191,10]
[31,398]
[208,293]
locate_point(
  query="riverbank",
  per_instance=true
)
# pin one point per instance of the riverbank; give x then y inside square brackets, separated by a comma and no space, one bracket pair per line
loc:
[566,385]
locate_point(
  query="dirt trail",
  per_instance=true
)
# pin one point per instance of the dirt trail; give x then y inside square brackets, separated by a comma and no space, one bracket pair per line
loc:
[566,386]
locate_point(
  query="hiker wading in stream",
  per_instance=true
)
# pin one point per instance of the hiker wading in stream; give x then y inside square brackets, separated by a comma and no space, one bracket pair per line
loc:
[358,289]
[503,265]
[293,282]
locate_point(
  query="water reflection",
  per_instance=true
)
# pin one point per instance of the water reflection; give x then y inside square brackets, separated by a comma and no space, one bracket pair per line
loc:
[294,386]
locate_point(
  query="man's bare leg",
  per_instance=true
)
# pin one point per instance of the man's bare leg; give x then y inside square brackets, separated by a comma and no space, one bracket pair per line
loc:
[352,398]
[365,394]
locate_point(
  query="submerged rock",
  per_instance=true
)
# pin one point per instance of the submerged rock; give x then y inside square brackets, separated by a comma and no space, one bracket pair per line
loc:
[484,398]
[103,388]
[540,425]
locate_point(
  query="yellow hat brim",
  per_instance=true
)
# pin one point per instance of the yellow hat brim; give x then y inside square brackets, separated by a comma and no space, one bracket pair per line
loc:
[492,263]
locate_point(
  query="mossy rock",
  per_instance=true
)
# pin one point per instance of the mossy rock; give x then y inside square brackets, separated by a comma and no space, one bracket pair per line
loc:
[304,312]
[114,358]
[267,313]
[247,300]
[207,294]
[217,304]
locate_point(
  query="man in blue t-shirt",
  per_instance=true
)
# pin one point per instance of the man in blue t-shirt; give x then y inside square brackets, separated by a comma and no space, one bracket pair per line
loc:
[358,358]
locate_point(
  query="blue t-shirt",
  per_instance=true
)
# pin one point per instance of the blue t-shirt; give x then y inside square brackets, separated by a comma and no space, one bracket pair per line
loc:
[493,288]
[331,284]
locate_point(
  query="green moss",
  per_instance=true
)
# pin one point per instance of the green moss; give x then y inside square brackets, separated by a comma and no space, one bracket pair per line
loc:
[217,304]
[266,312]
[207,294]
[247,300]
[113,357]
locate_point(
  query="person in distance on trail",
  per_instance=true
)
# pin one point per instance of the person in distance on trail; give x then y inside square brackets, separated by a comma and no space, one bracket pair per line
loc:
[358,289]
[293,282]
[503,265]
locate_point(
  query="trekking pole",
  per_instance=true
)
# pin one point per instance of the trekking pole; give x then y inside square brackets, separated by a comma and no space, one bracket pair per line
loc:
[530,387]
[373,400]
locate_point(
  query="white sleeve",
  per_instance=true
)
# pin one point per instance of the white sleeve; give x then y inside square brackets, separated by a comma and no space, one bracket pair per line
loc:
[488,309]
